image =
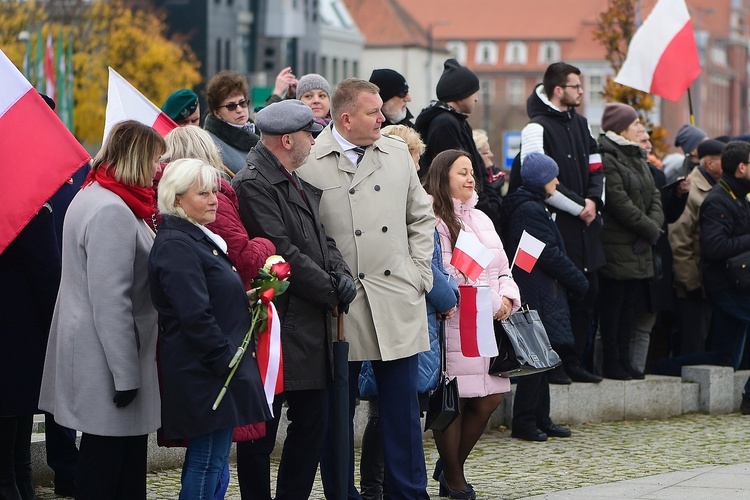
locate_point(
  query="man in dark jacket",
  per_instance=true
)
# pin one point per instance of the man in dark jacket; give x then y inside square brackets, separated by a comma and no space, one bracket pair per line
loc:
[444,125]
[278,205]
[395,94]
[558,131]
[725,233]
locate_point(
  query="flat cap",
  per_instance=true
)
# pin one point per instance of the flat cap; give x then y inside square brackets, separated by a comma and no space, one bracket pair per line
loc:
[286,117]
[180,104]
[710,147]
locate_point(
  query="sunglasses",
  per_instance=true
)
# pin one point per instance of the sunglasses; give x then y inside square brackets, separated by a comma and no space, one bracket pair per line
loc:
[233,105]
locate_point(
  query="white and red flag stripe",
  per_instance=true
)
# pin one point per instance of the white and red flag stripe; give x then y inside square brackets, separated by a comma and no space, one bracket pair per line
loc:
[528,252]
[125,102]
[30,174]
[470,256]
[269,357]
[595,162]
[662,56]
[475,321]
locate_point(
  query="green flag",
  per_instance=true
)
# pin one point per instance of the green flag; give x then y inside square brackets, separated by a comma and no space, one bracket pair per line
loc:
[69,85]
[40,83]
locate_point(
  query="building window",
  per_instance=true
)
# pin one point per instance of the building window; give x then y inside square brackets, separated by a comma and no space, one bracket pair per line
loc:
[313,62]
[549,52]
[345,70]
[457,50]
[218,55]
[515,53]
[227,54]
[335,68]
[594,90]
[486,53]
[486,90]
[324,67]
[355,69]
[515,91]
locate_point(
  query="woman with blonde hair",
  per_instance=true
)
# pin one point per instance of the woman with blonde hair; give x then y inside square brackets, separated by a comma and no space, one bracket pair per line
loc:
[248,254]
[204,316]
[100,369]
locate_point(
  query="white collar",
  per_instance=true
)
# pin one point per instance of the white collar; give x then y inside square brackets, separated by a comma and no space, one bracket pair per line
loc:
[218,240]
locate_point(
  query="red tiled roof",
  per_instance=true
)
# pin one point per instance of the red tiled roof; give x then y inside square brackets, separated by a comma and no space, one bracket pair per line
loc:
[386,23]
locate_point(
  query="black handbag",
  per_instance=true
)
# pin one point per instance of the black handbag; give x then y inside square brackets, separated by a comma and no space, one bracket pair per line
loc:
[506,360]
[526,334]
[444,406]
[738,271]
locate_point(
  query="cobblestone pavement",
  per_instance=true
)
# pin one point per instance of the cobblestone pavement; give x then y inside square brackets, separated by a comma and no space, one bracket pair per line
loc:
[504,468]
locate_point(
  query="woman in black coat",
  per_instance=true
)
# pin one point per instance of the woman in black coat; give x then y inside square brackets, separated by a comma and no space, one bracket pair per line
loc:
[204,316]
[544,289]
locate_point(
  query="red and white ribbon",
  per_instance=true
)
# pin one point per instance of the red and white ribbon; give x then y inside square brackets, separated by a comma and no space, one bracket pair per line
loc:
[269,357]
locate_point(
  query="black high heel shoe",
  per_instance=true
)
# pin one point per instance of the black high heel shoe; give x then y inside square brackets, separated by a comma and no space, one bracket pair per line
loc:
[445,491]
[438,470]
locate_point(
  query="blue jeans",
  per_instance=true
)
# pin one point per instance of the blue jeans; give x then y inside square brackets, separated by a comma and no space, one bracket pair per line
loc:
[730,324]
[204,462]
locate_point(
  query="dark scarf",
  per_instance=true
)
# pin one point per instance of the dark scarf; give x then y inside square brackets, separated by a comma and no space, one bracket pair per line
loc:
[141,200]
[234,136]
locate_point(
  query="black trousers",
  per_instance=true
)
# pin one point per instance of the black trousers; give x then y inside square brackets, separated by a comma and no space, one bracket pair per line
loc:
[531,402]
[619,299]
[15,458]
[62,453]
[111,467]
[308,416]
[582,312]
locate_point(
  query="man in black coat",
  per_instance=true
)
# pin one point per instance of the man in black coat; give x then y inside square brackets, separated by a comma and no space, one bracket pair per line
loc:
[725,233]
[444,125]
[278,205]
[559,132]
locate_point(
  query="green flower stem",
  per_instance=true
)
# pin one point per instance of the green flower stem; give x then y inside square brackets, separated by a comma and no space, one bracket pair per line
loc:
[240,353]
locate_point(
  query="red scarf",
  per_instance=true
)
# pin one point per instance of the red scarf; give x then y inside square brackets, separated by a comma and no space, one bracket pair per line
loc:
[141,200]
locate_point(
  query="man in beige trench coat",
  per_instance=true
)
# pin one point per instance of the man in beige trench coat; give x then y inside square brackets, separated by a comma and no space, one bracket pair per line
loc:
[382,221]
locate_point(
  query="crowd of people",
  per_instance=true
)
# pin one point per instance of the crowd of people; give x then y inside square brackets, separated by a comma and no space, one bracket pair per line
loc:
[132,312]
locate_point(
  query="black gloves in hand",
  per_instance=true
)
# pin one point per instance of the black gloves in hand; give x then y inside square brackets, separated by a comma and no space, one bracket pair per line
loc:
[345,289]
[124,398]
[640,246]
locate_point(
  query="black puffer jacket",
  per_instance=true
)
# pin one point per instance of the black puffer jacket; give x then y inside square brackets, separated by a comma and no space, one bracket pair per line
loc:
[725,230]
[554,274]
[567,139]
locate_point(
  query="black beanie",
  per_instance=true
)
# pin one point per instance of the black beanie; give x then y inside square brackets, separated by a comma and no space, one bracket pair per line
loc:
[391,83]
[457,82]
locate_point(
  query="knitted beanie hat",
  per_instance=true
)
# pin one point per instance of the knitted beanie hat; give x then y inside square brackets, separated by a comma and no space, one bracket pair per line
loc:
[457,82]
[617,117]
[391,83]
[688,138]
[310,82]
[537,169]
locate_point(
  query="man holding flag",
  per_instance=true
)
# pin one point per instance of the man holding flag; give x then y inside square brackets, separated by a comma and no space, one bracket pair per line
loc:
[546,277]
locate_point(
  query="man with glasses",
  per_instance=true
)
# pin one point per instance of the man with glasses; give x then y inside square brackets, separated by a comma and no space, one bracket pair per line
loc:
[558,131]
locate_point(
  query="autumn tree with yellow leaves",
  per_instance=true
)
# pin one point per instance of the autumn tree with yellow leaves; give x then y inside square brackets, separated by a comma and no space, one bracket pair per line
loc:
[113,33]
[614,29]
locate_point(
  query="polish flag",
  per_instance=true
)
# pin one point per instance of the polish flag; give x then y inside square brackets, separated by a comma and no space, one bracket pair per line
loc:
[124,102]
[470,256]
[49,69]
[476,330]
[663,56]
[30,174]
[595,162]
[528,252]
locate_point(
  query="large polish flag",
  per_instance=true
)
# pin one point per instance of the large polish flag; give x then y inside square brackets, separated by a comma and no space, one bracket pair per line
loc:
[476,330]
[470,256]
[124,102]
[663,56]
[31,172]
[528,252]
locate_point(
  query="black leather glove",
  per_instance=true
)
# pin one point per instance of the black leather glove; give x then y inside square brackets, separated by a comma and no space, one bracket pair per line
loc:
[346,290]
[640,246]
[124,398]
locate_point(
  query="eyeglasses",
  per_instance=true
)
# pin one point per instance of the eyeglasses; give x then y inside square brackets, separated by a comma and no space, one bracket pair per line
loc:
[577,86]
[233,105]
